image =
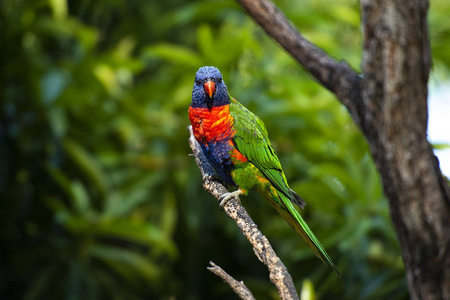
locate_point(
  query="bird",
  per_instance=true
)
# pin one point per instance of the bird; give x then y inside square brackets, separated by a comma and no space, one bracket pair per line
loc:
[236,143]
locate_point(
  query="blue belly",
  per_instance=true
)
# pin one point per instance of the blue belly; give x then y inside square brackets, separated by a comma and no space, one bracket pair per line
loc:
[218,154]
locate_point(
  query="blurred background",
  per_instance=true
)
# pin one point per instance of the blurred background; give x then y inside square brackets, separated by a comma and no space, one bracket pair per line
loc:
[99,198]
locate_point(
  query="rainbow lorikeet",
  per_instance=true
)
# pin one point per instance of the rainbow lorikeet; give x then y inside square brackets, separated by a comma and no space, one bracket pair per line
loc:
[236,143]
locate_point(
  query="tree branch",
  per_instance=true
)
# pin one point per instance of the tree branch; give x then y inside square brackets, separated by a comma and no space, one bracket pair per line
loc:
[278,273]
[338,77]
[238,286]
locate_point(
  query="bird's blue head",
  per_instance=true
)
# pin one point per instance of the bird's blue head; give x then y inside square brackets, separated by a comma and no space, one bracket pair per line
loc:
[209,89]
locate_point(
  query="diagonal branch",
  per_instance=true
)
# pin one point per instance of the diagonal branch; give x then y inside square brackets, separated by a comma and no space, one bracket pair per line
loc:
[278,273]
[338,77]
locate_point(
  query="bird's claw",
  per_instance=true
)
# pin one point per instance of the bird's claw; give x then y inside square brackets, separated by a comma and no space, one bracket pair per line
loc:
[226,197]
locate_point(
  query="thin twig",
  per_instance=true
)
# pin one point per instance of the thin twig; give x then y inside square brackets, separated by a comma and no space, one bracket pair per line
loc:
[238,286]
[278,273]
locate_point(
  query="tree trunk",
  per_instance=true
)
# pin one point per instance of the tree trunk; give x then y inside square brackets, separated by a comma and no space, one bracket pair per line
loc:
[396,66]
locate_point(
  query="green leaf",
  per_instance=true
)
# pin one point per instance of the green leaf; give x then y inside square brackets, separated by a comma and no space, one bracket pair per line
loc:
[81,198]
[137,232]
[87,164]
[440,146]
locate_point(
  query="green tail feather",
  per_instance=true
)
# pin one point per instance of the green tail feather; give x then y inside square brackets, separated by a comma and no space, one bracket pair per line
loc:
[295,220]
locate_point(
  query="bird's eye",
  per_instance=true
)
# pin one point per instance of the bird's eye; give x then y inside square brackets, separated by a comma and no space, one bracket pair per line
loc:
[219,80]
[198,82]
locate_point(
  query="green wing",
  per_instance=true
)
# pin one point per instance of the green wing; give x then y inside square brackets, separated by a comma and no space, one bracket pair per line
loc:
[252,140]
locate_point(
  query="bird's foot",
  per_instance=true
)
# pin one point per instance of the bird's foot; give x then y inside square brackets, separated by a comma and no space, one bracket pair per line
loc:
[226,197]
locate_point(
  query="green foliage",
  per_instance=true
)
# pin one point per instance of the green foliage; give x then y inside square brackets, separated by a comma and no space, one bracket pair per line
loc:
[100,199]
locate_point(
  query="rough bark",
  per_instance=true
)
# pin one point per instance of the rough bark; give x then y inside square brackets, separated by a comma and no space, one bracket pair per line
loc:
[389,103]
[396,66]
[278,273]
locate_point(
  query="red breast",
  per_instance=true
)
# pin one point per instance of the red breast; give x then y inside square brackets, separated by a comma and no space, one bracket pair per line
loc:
[213,124]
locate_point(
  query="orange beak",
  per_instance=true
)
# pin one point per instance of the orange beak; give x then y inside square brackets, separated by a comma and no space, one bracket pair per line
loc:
[210,88]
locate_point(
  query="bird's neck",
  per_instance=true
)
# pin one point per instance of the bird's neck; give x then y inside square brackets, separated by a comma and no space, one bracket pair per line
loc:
[211,124]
